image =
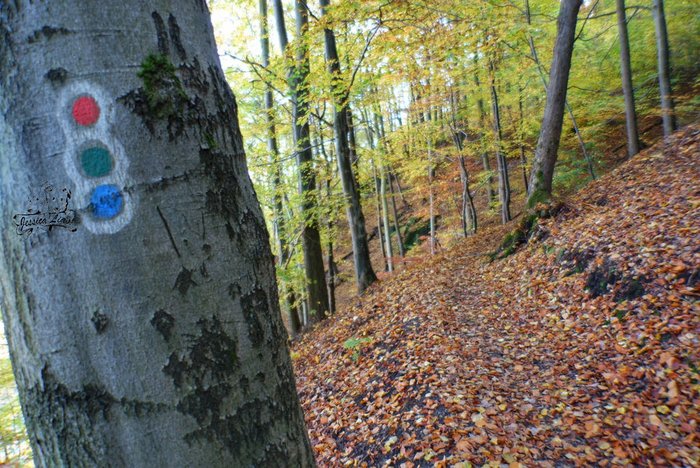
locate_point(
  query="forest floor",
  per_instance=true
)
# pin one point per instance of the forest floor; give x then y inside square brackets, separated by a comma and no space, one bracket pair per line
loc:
[583,347]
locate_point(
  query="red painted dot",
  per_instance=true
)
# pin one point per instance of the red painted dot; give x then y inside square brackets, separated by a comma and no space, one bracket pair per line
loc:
[86,111]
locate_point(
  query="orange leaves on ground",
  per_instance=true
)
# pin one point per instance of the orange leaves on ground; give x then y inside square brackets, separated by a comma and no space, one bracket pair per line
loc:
[582,349]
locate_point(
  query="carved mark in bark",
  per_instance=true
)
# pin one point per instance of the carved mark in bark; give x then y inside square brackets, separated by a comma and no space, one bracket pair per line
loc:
[167,229]
[253,304]
[100,321]
[174,29]
[164,323]
[161,34]
[184,281]
[47,32]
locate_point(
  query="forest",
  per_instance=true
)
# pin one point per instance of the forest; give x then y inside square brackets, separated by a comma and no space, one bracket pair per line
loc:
[350,233]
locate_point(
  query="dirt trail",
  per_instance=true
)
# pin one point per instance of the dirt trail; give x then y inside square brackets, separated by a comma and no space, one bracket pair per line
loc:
[582,348]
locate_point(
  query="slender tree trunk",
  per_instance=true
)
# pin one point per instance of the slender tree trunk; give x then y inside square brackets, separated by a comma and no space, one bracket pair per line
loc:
[317,295]
[664,66]
[569,110]
[148,331]
[352,139]
[277,202]
[364,274]
[398,188]
[626,74]
[482,123]
[399,241]
[523,158]
[385,219]
[431,176]
[378,204]
[311,238]
[330,282]
[502,164]
[550,131]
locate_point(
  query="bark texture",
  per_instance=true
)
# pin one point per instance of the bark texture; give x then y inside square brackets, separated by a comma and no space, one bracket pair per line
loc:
[277,199]
[364,274]
[664,66]
[152,338]
[540,186]
[626,75]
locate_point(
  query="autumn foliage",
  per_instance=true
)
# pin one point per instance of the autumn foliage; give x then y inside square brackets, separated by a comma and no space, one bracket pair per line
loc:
[582,348]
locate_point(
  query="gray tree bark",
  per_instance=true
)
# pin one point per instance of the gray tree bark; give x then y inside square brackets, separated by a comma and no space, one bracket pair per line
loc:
[569,110]
[501,163]
[626,75]
[491,193]
[317,294]
[399,241]
[540,186]
[151,335]
[364,274]
[664,66]
[277,202]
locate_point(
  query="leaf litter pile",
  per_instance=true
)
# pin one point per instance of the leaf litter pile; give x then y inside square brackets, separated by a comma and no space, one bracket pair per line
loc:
[582,348]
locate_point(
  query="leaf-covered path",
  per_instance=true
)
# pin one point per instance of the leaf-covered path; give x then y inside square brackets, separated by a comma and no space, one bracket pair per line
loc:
[582,348]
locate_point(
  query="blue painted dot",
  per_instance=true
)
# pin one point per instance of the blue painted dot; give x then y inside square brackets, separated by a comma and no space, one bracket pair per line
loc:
[106,201]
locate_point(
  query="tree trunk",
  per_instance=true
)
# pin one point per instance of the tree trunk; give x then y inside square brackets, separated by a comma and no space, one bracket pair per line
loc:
[431,176]
[378,204]
[352,139]
[550,132]
[626,75]
[277,202]
[332,269]
[311,238]
[148,332]
[399,241]
[664,66]
[491,193]
[502,164]
[569,110]
[523,158]
[385,219]
[364,274]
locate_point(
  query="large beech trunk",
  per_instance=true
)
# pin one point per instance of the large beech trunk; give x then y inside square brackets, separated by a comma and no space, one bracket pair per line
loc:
[150,335]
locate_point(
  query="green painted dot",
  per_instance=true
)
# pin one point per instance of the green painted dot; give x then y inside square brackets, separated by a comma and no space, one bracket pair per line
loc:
[96,162]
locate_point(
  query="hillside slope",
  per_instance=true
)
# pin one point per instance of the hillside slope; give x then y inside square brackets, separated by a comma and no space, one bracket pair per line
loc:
[581,348]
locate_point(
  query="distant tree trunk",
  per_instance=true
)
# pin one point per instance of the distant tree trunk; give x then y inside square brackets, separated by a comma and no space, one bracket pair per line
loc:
[399,241]
[364,274]
[385,219]
[502,164]
[431,176]
[378,204]
[151,335]
[482,123]
[311,238]
[569,110]
[468,212]
[550,131]
[332,269]
[626,74]
[352,139]
[664,66]
[277,202]
[523,158]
